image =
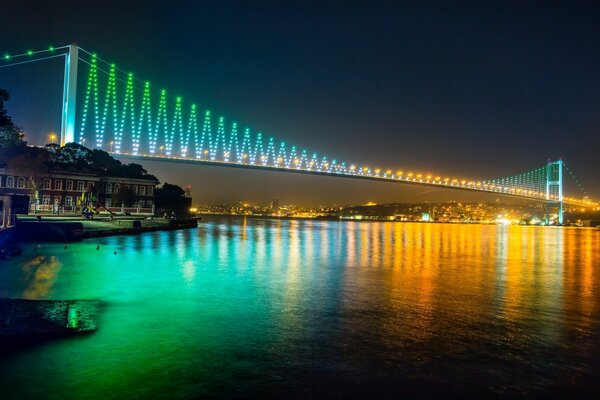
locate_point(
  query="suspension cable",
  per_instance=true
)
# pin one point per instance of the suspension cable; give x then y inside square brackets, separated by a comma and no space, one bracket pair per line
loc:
[579,185]
[30,61]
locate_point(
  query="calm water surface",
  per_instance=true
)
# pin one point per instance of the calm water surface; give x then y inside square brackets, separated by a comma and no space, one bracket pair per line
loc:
[254,307]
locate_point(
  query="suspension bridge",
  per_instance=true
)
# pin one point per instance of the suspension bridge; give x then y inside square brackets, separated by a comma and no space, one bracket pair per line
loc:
[125,116]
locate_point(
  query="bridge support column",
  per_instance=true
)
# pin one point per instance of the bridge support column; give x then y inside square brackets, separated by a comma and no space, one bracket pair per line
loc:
[554,188]
[67,129]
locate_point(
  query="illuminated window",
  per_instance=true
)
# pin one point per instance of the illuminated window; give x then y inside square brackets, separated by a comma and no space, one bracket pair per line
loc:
[57,200]
[46,200]
[58,184]
[21,182]
[69,200]
[142,191]
[10,182]
[150,190]
[80,186]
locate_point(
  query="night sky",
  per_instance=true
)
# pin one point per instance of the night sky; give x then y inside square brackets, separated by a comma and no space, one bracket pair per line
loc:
[477,90]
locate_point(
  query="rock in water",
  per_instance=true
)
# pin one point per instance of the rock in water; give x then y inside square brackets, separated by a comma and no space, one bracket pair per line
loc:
[47,317]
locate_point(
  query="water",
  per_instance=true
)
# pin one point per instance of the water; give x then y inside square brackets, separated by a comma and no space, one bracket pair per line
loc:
[257,307]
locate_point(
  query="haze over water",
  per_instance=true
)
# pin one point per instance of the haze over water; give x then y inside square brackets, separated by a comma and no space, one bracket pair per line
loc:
[242,307]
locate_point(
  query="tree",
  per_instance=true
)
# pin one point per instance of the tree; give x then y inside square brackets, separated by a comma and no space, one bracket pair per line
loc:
[70,153]
[10,134]
[172,198]
[103,161]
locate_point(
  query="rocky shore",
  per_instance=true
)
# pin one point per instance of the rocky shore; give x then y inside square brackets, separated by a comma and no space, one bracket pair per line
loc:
[20,317]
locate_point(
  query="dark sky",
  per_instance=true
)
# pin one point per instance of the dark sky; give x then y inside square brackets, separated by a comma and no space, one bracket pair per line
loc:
[477,89]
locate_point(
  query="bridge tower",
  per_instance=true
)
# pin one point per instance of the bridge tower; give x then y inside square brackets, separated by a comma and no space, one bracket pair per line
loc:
[554,188]
[67,128]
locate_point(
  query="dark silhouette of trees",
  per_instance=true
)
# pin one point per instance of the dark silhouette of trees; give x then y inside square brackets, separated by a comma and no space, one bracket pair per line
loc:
[171,198]
[10,134]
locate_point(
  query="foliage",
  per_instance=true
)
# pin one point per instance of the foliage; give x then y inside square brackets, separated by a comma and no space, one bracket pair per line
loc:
[10,134]
[95,159]
[171,198]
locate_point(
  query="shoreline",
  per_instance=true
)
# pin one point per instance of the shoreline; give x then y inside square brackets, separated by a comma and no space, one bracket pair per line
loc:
[68,230]
[334,219]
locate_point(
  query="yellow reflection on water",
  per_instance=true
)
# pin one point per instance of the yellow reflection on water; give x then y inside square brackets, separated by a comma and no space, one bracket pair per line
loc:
[474,273]
[39,275]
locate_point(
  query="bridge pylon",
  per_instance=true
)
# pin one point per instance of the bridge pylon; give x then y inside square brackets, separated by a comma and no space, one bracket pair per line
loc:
[67,128]
[554,188]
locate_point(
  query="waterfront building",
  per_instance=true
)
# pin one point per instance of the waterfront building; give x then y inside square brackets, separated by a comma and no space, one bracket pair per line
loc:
[59,188]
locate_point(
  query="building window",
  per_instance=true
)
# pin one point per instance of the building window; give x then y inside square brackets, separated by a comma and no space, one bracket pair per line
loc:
[21,182]
[150,190]
[148,203]
[57,200]
[47,184]
[142,190]
[46,200]
[109,188]
[80,186]
[10,182]
[108,202]
[90,184]
[134,188]
[58,184]
[69,200]
[117,187]
[69,185]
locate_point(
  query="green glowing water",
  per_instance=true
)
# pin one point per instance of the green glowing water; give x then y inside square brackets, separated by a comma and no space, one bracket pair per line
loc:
[248,307]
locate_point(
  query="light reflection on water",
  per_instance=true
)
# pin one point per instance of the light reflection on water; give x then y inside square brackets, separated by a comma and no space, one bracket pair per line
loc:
[254,306]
